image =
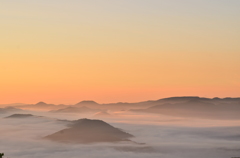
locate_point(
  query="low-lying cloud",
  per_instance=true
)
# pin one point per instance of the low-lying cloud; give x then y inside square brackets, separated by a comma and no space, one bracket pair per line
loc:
[22,138]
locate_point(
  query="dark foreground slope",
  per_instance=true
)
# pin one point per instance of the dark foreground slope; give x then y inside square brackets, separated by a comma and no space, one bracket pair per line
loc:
[89,131]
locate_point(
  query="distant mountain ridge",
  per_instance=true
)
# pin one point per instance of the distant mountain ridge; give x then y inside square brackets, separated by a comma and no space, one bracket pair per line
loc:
[128,106]
[86,102]
[9,110]
[20,116]
[72,109]
[215,108]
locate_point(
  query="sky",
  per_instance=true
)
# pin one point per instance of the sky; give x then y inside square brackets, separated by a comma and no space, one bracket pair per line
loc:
[61,51]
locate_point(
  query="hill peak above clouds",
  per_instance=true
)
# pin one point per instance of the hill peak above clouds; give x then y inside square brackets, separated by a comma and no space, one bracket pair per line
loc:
[86,102]
[41,103]
[20,116]
[89,131]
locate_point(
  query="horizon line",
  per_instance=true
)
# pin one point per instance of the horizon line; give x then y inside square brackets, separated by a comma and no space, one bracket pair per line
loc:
[127,102]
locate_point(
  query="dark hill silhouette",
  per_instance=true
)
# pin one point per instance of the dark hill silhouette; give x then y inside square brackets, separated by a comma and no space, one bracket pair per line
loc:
[71,109]
[102,114]
[193,99]
[150,103]
[38,118]
[89,131]
[42,106]
[20,116]
[41,103]
[86,102]
[9,109]
[192,104]
[197,107]
[184,98]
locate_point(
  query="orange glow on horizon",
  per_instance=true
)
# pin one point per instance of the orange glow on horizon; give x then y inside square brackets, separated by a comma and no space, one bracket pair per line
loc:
[107,54]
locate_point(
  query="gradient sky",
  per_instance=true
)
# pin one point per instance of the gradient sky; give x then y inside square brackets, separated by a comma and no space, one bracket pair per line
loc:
[61,51]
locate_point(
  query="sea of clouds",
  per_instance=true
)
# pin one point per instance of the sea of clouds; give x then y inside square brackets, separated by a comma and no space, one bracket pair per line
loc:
[157,137]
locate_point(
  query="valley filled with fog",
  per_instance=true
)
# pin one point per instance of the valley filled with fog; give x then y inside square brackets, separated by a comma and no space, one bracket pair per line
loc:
[179,127]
